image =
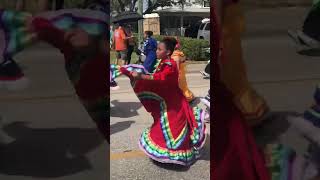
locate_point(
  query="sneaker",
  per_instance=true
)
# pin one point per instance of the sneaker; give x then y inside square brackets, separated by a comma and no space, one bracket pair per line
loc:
[192,101]
[309,41]
[11,76]
[114,86]
[206,101]
[207,115]
[205,75]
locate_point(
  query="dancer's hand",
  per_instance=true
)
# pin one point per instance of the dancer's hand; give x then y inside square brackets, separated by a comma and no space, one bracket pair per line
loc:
[136,75]
[28,24]
[78,38]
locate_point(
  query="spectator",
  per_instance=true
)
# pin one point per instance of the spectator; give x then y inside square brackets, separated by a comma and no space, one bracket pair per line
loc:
[188,31]
[120,44]
[131,43]
[111,35]
[150,48]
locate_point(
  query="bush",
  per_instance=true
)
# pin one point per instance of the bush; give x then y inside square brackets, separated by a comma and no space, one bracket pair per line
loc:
[194,49]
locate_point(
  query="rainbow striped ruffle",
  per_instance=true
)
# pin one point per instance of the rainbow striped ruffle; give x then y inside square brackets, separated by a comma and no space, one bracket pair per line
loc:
[171,153]
[279,160]
[115,70]
[18,38]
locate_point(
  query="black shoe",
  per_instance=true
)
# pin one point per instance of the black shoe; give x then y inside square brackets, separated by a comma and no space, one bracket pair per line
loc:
[207,97]
[205,75]
[11,75]
[114,85]
[206,100]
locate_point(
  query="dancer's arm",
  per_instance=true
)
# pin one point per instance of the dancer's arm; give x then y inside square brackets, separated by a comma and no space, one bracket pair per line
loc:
[77,39]
[167,75]
[47,32]
[179,58]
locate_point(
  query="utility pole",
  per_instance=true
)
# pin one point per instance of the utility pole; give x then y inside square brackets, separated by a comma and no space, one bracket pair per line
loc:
[140,22]
[181,19]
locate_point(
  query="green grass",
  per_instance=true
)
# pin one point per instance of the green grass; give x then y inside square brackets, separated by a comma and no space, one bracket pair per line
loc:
[113,58]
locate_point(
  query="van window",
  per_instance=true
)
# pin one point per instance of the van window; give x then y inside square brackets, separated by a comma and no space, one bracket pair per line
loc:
[208,27]
[201,26]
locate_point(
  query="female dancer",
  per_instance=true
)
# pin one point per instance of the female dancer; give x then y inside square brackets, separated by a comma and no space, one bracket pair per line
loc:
[234,153]
[180,59]
[83,46]
[178,131]
[233,72]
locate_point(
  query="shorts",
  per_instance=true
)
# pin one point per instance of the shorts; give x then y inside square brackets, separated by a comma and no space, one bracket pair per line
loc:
[122,54]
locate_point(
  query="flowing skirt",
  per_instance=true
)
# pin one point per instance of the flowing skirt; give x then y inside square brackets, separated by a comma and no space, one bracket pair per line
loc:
[234,152]
[178,132]
[183,83]
[233,69]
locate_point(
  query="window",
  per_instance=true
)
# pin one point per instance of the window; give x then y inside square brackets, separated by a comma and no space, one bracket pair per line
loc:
[201,26]
[206,3]
[208,27]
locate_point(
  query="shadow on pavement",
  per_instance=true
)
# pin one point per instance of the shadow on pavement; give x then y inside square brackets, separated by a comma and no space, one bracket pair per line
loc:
[205,155]
[47,153]
[124,109]
[205,151]
[120,126]
[272,127]
[310,52]
[172,167]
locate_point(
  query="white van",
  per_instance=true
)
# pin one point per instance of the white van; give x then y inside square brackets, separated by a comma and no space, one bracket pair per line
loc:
[204,30]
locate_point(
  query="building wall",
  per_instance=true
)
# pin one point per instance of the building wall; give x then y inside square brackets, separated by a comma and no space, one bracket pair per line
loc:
[271,3]
[192,4]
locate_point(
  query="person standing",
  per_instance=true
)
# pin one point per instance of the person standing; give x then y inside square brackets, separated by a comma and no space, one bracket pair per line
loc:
[111,35]
[150,48]
[131,43]
[120,44]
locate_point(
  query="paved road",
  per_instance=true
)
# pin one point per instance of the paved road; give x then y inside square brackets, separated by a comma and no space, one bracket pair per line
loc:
[49,134]
[286,80]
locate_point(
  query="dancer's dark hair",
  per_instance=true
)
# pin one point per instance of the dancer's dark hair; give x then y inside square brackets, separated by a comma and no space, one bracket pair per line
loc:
[170,43]
[149,33]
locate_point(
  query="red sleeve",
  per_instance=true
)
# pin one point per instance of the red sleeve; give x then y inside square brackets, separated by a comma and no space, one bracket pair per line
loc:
[168,75]
[48,33]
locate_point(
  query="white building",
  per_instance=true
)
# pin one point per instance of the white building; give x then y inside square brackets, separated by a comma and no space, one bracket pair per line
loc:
[172,18]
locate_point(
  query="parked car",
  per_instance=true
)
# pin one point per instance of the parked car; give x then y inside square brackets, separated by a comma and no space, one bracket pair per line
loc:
[204,30]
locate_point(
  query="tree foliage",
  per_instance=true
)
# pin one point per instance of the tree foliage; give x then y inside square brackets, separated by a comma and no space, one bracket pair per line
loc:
[131,5]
